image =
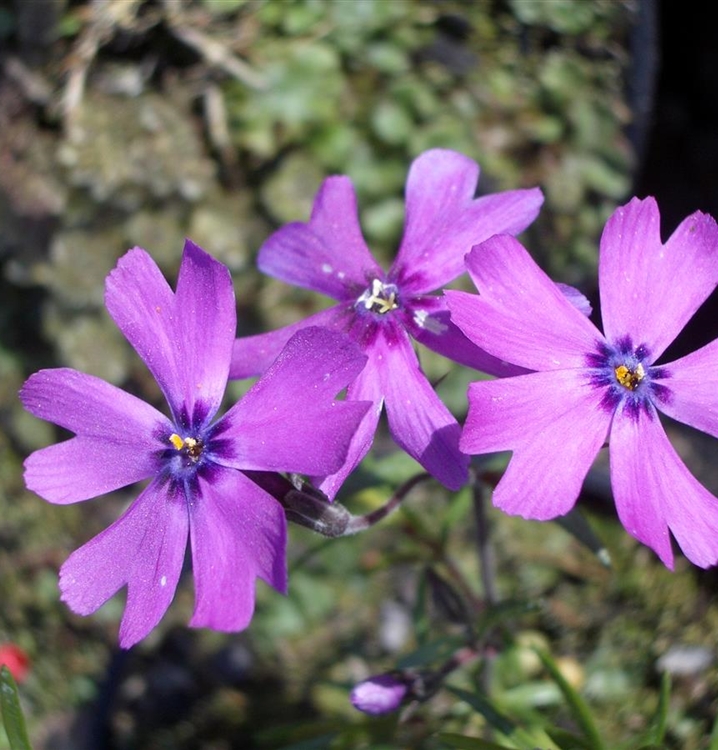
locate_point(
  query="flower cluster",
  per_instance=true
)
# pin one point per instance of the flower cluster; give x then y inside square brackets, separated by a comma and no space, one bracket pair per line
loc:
[562,390]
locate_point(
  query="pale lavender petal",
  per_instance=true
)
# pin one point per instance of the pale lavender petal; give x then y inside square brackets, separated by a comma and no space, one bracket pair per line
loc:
[655,492]
[576,298]
[238,533]
[443,220]
[649,290]
[554,424]
[119,436]
[520,315]
[170,332]
[328,254]
[252,355]
[418,420]
[365,388]
[290,419]
[143,549]
[691,393]
[428,321]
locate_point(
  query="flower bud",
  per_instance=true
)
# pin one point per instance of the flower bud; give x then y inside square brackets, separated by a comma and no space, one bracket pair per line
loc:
[380,694]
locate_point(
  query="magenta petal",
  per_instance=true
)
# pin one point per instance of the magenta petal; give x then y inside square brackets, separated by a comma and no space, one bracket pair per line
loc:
[520,315]
[692,396]
[429,322]
[555,426]
[418,420]
[365,388]
[143,549]
[649,290]
[238,533]
[169,332]
[252,355]
[118,436]
[289,420]
[655,492]
[328,254]
[443,220]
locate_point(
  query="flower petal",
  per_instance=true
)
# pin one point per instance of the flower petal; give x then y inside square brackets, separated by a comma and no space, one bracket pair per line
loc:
[365,388]
[169,331]
[289,420]
[691,386]
[418,420]
[443,220]
[144,549]
[428,321]
[328,254]
[238,533]
[654,491]
[119,436]
[520,315]
[252,355]
[555,426]
[649,290]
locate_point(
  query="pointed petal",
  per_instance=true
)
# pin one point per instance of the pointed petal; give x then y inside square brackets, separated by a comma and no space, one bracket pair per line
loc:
[428,321]
[655,492]
[555,426]
[119,436]
[520,315]
[443,220]
[328,254]
[692,394]
[143,549]
[169,331]
[238,533]
[289,420]
[252,355]
[365,388]
[418,420]
[650,290]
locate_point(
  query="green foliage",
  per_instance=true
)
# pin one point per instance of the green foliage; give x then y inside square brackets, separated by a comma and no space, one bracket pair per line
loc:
[12,715]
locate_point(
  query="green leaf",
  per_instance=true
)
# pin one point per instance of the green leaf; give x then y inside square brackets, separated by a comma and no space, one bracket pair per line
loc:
[567,740]
[12,716]
[470,743]
[657,731]
[578,706]
[714,736]
[480,704]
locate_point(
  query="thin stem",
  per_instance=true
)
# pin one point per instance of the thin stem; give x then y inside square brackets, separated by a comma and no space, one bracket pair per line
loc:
[487,559]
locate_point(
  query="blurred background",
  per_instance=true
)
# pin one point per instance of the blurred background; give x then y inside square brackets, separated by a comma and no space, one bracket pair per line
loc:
[141,122]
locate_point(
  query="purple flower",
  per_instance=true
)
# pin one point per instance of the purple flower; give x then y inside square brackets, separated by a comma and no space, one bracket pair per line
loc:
[380,694]
[590,387]
[288,421]
[382,311]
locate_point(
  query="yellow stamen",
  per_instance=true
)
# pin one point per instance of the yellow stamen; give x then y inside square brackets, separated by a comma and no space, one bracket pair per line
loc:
[176,441]
[378,301]
[630,378]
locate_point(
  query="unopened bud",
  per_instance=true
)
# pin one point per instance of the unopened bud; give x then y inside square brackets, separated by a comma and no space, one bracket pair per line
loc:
[380,694]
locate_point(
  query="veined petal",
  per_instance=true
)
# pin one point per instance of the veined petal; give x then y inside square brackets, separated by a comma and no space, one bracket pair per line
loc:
[418,420]
[328,254]
[649,290]
[144,549]
[692,393]
[238,533]
[428,320]
[365,388]
[443,220]
[165,328]
[554,424]
[118,443]
[207,315]
[655,492]
[252,355]
[289,420]
[520,315]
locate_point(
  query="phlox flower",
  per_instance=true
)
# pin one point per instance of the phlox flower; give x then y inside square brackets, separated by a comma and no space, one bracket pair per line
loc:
[591,387]
[197,489]
[382,311]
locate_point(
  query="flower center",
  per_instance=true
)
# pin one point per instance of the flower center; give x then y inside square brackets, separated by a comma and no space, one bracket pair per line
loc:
[379,298]
[189,446]
[629,377]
